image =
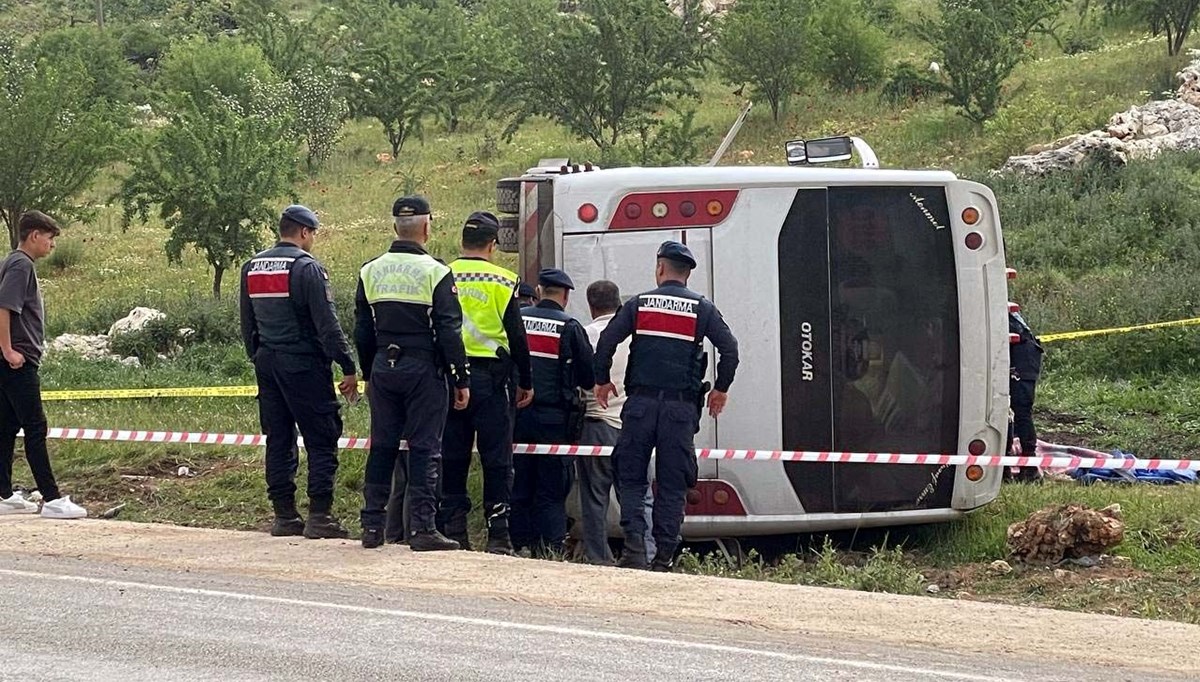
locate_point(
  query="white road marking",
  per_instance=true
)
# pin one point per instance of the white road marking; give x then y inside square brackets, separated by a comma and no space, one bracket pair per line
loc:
[527,627]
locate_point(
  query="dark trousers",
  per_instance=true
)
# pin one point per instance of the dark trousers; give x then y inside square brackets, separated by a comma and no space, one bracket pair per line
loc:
[595,490]
[408,402]
[540,483]
[1021,394]
[21,408]
[485,424]
[666,427]
[298,390]
[397,506]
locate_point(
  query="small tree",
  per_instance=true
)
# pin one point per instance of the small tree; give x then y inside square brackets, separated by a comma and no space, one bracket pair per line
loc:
[393,66]
[213,173]
[56,136]
[100,53]
[847,51]
[320,113]
[1174,18]
[200,69]
[605,71]
[765,43]
[979,43]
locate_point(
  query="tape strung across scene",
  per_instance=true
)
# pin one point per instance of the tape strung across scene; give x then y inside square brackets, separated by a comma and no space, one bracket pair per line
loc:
[1067,336]
[1044,462]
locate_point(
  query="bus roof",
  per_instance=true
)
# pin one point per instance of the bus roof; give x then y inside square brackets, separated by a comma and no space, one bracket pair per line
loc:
[746,176]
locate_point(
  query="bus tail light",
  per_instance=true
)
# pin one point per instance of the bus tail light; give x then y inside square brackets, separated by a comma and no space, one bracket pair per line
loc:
[973,240]
[974,473]
[712,497]
[1010,273]
[673,210]
[1014,338]
[1013,307]
[588,213]
[970,215]
[977,447]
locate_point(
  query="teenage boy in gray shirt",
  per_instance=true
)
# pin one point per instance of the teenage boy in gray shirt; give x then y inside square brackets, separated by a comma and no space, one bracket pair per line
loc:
[22,339]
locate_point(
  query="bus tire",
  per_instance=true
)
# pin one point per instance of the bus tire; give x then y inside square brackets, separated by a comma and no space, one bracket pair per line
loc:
[508,196]
[509,237]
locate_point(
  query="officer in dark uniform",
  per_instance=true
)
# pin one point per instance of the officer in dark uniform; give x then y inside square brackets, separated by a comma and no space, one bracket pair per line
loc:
[561,356]
[664,381]
[494,337]
[526,295]
[408,329]
[1025,367]
[291,334]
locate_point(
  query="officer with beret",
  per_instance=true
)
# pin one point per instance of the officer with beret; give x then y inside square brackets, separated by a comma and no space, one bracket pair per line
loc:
[526,295]
[291,333]
[494,337]
[562,368]
[664,383]
[1025,367]
[408,329]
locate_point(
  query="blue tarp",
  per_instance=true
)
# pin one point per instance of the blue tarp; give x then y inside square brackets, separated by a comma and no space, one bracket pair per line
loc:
[1156,476]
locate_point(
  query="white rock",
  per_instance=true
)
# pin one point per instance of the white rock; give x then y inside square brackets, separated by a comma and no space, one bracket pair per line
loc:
[183,471]
[1000,567]
[131,361]
[135,321]
[88,347]
[933,588]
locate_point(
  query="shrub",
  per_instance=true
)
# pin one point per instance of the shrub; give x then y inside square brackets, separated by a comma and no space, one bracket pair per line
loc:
[907,83]
[848,51]
[67,254]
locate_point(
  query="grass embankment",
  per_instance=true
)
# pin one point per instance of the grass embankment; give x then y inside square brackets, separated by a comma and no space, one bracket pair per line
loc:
[1091,253]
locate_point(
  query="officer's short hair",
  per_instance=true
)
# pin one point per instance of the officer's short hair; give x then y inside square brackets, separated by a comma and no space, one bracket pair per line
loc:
[289,227]
[410,225]
[548,290]
[675,267]
[603,295]
[36,221]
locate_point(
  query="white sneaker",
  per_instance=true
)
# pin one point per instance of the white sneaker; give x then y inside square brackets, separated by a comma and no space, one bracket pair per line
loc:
[17,504]
[63,508]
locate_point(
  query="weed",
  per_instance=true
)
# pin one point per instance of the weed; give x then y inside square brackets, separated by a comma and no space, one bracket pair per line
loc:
[67,253]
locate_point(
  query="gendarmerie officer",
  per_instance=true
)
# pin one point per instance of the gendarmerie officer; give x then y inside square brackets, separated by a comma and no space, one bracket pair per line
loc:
[408,329]
[562,367]
[664,381]
[494,337]
[291,333]
[1025,367]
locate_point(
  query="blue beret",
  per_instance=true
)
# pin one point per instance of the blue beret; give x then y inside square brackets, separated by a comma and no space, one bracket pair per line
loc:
[526,290]
[301,215]
[677,252]
[408,206]
[553,277]
[481,221]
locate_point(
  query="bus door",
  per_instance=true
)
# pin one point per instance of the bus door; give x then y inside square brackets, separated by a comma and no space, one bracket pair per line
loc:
[869,344]
[627,258]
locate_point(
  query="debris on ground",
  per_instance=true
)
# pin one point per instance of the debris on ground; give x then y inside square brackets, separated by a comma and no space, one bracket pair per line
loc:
[1066,531]
[1000,567]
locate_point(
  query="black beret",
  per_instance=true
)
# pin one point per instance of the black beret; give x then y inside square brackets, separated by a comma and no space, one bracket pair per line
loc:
[677,252]
[409,206]
[553,277]
[482,222]
[301,215]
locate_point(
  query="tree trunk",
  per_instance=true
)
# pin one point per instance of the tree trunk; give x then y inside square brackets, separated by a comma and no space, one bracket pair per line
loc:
[11,219]
[100,13]
[218,273]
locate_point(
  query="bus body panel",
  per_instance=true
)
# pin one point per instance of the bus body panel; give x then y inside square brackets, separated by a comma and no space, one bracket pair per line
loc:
[746,268]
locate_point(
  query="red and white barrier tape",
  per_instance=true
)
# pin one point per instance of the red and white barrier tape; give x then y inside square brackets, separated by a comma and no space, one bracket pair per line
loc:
[1044,462]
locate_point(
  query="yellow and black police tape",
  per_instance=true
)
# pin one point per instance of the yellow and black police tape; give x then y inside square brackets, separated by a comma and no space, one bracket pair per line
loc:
[251,391]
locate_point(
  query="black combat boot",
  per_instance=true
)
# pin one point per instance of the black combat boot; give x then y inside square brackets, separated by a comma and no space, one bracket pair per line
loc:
[661,564]
[499,541]
[324,526]
[634,553]
[431,541]
[372,538]
[287,519]
[452,521]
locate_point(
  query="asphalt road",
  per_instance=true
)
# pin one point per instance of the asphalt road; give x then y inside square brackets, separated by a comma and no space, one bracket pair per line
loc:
[66,618]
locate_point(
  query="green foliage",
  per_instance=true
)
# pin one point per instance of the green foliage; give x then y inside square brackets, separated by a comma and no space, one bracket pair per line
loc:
[67,254]
[320,113]
[1038,118]
[605,71]
[848,51]
[1082,38]
[1175,19]
[99,52]
[980,42]
[766,43]
[393,64]
[213,173]
[56,136]
[158,337]
[201,70]
[673,141]
[907,83]
[144,44]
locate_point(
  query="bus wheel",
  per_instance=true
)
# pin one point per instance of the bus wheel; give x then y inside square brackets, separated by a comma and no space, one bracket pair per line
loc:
[508,196]
[731,549]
